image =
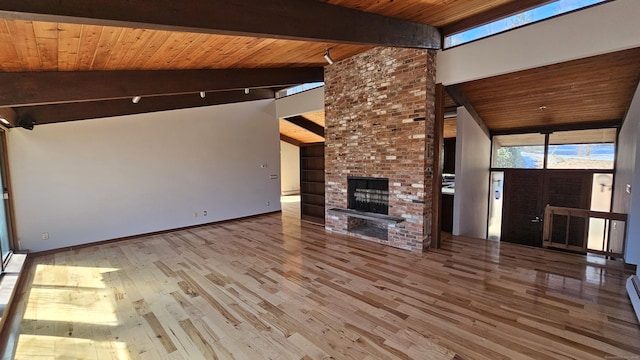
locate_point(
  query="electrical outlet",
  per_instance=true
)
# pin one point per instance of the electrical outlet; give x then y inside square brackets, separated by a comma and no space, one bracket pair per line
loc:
[204,213]
[268,203]
[45,236]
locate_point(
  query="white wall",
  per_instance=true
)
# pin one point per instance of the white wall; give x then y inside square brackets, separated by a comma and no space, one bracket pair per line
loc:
[627,169]
[601,29]
[289,168]
[300,103]
[471,198]
[93,180]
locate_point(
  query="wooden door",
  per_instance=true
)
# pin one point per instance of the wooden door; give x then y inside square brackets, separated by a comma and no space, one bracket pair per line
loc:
[523,207]
[527,192]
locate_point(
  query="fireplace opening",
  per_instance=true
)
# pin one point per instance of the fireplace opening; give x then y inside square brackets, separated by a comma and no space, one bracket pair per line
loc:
[368,194]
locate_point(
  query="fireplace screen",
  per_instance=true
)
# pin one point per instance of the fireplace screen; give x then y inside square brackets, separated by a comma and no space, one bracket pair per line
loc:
[368,194]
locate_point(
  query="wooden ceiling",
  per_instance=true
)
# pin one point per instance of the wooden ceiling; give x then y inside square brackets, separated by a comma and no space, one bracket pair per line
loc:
[63,61]
[584,93]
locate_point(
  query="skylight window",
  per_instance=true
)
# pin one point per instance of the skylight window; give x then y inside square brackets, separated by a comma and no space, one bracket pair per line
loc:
[298,89]
[531,16]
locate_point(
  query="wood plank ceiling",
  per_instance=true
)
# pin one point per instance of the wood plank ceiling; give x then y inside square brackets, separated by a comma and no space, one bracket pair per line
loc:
[47,48]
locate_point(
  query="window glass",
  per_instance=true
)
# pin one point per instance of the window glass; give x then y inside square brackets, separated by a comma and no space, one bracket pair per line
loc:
[521,151]
[298,89]
[582,149]
[536,14]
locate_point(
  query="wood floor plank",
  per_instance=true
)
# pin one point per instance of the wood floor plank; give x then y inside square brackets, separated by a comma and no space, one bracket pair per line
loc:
[273,287]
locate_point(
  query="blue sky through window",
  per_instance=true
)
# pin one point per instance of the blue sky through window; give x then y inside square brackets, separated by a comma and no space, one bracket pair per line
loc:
[300,88]
[530,16]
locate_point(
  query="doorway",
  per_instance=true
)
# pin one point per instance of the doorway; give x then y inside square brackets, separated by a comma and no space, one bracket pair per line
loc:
[527,192]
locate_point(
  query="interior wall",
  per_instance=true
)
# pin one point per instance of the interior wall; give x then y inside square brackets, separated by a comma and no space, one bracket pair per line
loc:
[300,103]
[601,29]
[86,181]
[289,168]
[628,174]
[471,198]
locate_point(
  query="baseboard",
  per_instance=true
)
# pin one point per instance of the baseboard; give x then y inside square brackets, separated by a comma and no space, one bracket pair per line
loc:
[633,289]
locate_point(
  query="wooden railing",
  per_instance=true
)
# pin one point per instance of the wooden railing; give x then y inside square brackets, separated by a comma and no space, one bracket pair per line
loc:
[576,237]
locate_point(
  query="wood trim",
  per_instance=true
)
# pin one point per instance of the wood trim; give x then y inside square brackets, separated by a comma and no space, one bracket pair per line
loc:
[39,88]
[306,124]
[438,155]
[455,92]
[314,20]
[11,223]
[560,127]
[490,15]
[55,113]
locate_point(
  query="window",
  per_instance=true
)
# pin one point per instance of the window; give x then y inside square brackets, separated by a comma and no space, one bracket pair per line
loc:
[298,89]
[582,149]
[521,151]
[534,15]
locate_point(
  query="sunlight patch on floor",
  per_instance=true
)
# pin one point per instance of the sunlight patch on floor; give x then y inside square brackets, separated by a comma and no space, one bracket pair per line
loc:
[56,347]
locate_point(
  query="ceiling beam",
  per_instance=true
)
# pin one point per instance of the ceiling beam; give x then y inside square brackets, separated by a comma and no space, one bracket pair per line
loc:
[54,113]
[39,88]
[306,124]
[290,140]
[308,20]
[458,96]
[493,14]
[9,115]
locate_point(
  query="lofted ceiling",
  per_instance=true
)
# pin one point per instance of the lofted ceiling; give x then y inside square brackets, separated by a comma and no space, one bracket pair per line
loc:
[73,59]
[585,93]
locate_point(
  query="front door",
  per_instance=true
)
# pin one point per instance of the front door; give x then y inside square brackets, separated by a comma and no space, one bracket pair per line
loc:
[527,192]
[523,207]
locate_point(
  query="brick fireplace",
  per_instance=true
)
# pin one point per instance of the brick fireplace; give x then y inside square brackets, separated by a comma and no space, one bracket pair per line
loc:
[379,114]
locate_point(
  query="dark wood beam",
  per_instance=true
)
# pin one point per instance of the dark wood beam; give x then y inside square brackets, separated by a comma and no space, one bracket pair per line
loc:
[290,140]
[458,96]
[306,124]
[496,13]
[38,88]
[548,129]
[9,115]
[54,113]
[438,159]
[309,20]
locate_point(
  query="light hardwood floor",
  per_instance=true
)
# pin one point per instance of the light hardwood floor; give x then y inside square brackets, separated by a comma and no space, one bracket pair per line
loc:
[270,287]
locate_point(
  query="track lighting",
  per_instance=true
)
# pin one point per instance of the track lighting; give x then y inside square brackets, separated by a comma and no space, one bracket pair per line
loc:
[327,56]
[26,122]
[136,99]
[203,94]
[246,91]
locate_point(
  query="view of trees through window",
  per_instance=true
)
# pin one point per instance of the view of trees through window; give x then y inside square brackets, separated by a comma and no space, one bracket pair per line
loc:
[580,149]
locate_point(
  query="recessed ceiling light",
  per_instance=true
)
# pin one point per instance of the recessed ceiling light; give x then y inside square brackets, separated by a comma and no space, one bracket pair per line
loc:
[136,99]
[5,121]
[543,107]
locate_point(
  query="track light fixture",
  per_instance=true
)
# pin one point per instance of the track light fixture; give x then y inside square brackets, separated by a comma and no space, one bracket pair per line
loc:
[136,99]
[203,94]
[26,122]
[246,91]
[327,56]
